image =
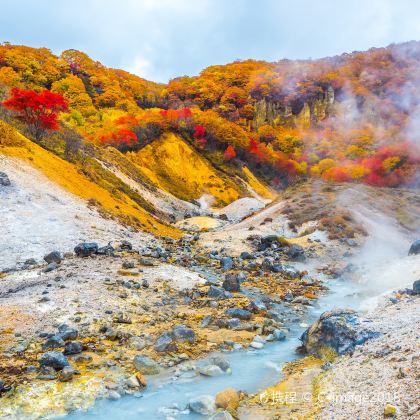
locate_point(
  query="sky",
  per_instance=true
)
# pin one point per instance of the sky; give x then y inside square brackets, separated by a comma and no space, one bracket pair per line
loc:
[163,39]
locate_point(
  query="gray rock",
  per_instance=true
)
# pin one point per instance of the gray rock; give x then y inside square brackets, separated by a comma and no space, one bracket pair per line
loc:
[145,365]
[113,395]
[216,292]
[105,250]
[50,267]
[4,180]
[238,313]
[128,264]
[267,265]
[53,342]
[211,370]
[164,342]
[73,347]
[414,248]
[204,405]
[206,321]
[416,287]
[66,374]
[221,415]
[54,256]
[231,283]
[183,333]
[85,249]
[247,256]
[286,270]
[125,246]
[296,253]
[54,359]
[338,330]
[137,343]
[221,362]
[226,263]
[132,382]
[279,335]
[67,333]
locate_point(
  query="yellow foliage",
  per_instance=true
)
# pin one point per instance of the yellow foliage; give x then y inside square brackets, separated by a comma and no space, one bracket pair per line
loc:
[174,166]
[256,185]
[390,163]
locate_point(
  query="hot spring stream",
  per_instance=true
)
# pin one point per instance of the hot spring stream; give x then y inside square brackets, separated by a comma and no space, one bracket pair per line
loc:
[383,266]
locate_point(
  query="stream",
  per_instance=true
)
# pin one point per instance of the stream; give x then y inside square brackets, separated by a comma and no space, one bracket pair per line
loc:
[254,370]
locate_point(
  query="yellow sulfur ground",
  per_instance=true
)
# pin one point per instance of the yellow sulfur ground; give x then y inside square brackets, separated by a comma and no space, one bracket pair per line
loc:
[174,166]
[68,177]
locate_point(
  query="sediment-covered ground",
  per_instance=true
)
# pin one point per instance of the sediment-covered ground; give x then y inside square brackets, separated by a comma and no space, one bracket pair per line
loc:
[147,305]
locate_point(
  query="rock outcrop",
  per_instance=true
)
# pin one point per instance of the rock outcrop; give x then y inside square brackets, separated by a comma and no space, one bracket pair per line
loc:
[338,331]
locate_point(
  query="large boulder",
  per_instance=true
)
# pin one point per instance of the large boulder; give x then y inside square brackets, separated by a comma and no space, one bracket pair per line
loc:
[416,287]
[338,331]
[85,249]
[4,180]
[414,248]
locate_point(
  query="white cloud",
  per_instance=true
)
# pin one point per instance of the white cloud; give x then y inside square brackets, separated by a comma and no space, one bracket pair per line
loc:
[162,39]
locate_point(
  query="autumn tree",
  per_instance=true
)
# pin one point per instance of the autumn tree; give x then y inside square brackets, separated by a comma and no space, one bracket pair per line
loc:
[39,111]
[230,153]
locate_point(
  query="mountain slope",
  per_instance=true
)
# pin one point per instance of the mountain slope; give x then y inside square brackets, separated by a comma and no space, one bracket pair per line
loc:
[112,203]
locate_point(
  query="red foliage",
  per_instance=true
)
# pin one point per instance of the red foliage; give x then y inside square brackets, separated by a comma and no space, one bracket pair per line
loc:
[199,131]
[38,110]
[336,174]
[230,153]
[121,139]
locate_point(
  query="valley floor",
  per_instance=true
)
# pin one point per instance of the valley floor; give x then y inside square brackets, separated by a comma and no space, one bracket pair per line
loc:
[175,302]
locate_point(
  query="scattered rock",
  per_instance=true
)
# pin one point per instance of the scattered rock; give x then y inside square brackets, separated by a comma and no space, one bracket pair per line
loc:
[50,267]
[256,345]
[211,370]
[390,410]
[54,256]
[239,313]
[216,292]
[85,249]
[221,362]
[247,256]
[67,333]
[183,333]
[226,263]
[73,347]
[53,342]
[221,415]
[128,264]
[296,253]
[54,359]
[227,399]
[231,283]
[204,405]
[66,374]
[132,382]
[4,180]
[164,342]
[414,248]
[145,365]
